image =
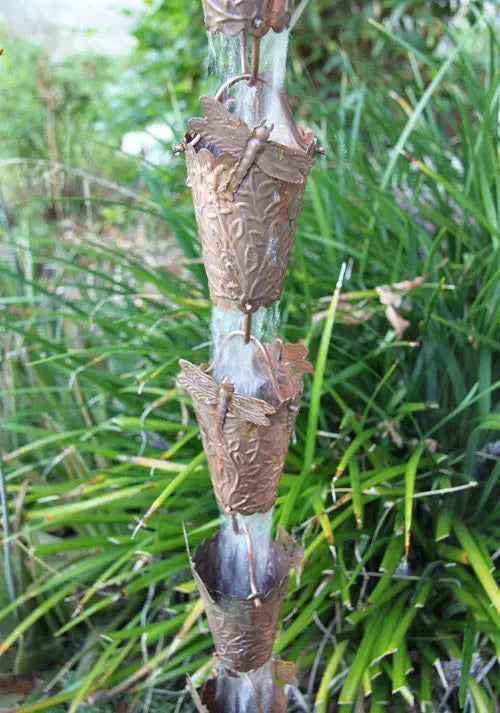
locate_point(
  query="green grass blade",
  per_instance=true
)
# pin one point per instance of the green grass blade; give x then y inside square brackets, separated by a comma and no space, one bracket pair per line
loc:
[478,563]
[314,408]
[467,651]
[410,475]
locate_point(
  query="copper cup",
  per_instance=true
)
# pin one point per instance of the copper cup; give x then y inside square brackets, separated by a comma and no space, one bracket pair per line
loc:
[246,438]
[244,628]
[217,694]
[253,16]
[247,193]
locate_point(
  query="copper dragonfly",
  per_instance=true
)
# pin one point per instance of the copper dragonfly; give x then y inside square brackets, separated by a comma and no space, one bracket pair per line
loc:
[231,135]
[204,388]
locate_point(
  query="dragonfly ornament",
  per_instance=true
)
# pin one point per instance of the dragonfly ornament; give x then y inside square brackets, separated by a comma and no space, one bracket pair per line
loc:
[204,388]
[230,135]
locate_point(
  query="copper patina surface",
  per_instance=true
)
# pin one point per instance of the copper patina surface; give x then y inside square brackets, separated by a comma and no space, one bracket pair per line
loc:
[244,628]
[246,438]
[253,16]
[247,193]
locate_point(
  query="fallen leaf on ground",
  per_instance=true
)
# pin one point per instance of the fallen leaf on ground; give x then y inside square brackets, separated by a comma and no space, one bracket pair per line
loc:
[10,683]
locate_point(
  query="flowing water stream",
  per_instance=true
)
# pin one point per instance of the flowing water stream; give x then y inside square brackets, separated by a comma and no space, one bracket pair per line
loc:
[224,62]
[234,564]
[239,694]
[234,360]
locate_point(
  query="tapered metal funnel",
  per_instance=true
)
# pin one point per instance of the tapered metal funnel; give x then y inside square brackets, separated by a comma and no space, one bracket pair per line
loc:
[260,692]
[243,628]
[247,193]
[253,16]
[246,438]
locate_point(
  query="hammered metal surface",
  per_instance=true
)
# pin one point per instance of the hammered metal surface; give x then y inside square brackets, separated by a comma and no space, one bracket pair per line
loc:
[243,629]
[247,194]
[254,16]
[246,449]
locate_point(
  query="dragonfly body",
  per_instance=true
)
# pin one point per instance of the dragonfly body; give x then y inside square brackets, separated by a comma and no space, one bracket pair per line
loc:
[225,396]
[254,148]
[204,388]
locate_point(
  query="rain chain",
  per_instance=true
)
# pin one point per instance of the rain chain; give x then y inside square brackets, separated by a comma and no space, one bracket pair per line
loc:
[247,179]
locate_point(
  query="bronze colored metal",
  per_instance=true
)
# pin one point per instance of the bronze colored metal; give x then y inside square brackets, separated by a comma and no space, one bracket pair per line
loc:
[243,632]
[248,327]
[245,438]
[255,61]
[253,16]
[230,135]
[247,193]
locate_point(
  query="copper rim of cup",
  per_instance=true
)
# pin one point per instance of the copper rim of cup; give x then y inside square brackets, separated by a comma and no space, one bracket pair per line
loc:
[244,628]
[253,16]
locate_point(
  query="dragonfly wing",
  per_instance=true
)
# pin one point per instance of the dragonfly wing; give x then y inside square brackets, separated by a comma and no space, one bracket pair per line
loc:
[198,384]
[284,163]
[249,409]
[216,111]
[220,128]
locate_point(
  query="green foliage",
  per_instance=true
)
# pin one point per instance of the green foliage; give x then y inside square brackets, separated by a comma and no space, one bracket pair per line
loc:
[391,483]
[31,87]
[167,69]
[57,113]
